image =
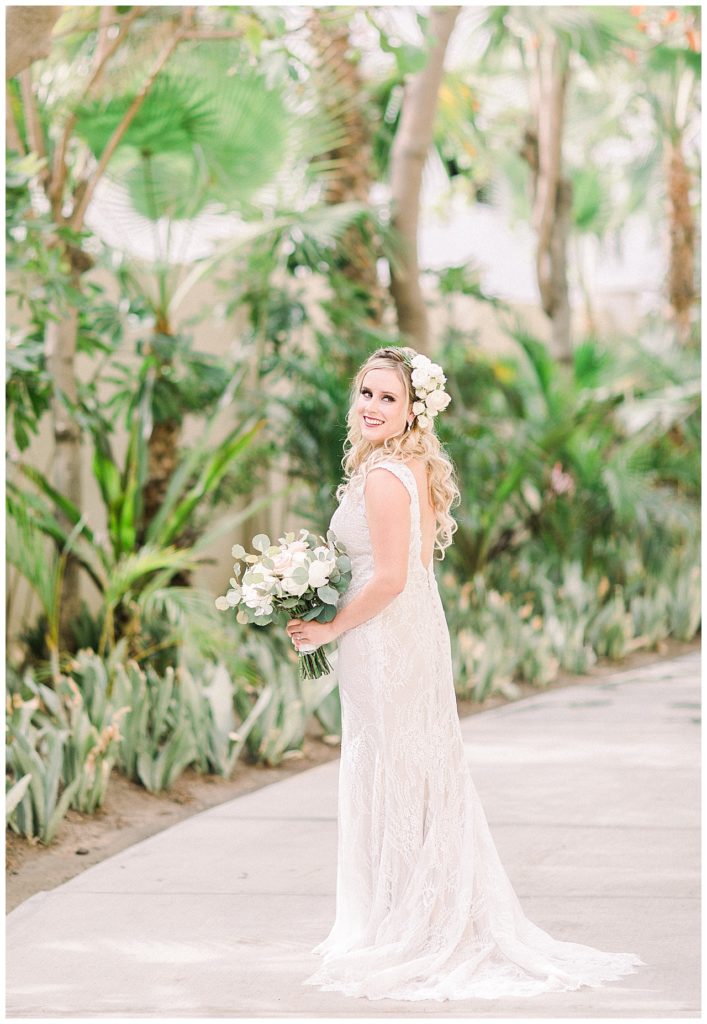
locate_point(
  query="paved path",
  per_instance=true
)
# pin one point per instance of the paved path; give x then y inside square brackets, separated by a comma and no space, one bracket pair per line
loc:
[592,795]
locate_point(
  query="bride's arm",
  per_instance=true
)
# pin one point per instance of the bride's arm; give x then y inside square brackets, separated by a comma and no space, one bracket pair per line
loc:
[388,514]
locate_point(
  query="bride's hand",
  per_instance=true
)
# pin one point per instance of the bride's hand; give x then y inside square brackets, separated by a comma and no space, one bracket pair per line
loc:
[310,633]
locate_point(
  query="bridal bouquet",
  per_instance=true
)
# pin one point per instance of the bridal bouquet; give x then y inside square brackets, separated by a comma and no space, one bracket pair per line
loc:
[294,579]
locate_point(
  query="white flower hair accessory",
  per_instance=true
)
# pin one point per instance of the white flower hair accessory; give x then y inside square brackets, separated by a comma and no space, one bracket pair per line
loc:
[428,381]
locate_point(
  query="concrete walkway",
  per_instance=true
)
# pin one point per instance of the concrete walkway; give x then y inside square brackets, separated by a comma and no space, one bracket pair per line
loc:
[592,795]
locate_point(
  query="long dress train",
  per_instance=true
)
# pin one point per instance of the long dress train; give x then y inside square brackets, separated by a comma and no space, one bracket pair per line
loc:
[424,907]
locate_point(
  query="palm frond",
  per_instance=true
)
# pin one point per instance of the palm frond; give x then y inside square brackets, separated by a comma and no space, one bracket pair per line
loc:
[27,551]
[136,567]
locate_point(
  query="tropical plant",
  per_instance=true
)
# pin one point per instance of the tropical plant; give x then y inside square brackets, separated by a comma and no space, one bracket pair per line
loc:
[158,739]
[123,567]
[222,742]
[563,457]
[668,69]
[39,754]
[177,145]
[269,667]
[309,398]
[343,90]
[14,792]
[91,724]
[407,159]
[552,44]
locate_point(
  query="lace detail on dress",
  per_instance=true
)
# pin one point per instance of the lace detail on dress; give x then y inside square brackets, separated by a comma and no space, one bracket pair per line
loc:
[424,908]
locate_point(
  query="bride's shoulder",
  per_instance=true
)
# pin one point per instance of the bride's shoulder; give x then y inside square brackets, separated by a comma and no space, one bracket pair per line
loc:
[396,468]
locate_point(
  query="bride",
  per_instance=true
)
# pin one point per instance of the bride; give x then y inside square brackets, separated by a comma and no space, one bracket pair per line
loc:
[424,907]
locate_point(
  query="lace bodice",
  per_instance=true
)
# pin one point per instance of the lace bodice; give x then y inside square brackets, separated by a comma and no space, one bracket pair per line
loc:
[350,525]
[424,907]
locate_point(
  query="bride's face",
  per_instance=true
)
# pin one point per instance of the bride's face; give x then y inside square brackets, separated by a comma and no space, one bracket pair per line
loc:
[382,406]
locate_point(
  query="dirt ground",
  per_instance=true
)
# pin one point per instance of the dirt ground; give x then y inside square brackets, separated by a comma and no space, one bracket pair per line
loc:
[130,813]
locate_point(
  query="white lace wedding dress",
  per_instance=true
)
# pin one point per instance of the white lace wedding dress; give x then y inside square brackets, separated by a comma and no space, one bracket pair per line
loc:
[424,908]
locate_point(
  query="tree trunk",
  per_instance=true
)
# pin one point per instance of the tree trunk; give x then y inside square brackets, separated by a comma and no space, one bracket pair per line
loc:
[561,315]
[408,156]
[552,194]
[341,86]
[60,351]
[590,320]
[681,272]
[162,446]
[162,460]
[28,33]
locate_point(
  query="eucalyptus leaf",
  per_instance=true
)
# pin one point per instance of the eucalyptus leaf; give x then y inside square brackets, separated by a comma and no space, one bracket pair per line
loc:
[327,594]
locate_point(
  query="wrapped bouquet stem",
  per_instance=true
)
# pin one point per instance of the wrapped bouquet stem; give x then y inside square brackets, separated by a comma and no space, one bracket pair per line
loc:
[313,661]
[295,578]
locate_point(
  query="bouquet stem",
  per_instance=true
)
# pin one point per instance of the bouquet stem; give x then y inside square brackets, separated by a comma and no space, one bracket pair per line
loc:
[314,664]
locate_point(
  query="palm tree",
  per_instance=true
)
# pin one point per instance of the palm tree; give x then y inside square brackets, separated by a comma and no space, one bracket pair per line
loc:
[667,80]
[194,150]
[550,42]
[174,148]
[68,181]
[408,156]
[343,93]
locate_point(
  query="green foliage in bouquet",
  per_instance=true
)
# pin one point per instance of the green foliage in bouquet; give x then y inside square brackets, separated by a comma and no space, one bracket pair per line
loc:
[301,578]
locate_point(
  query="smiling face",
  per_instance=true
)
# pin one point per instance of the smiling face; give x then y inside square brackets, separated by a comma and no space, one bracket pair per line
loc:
[383,405]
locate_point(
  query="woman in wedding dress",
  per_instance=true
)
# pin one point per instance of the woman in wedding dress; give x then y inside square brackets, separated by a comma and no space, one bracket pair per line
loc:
[424,907]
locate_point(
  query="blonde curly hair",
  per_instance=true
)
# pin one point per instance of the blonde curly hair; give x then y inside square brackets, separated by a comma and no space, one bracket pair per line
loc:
[413,443]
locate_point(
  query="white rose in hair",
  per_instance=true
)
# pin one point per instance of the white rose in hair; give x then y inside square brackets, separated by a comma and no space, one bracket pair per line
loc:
[420,377]
[418,407]
[437,400]
[424,421]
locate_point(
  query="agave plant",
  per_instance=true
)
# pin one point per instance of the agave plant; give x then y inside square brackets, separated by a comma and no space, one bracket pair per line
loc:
[14,792]
[222,742]
[92,737]
[158,741]
[39,754]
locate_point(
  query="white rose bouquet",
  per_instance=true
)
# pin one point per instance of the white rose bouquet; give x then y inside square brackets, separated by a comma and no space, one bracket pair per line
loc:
[295,578]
